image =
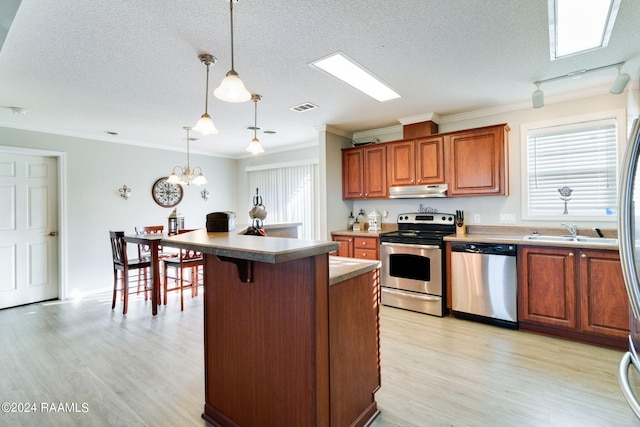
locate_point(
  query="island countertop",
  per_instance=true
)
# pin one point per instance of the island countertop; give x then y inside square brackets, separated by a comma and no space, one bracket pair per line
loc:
[253,248]
[342,268]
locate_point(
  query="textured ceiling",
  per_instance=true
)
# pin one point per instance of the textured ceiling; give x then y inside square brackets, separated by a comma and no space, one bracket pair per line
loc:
[86,67]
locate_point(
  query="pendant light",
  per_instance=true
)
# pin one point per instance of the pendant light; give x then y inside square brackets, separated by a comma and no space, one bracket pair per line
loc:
[205,125]
[255,147]
[187,175]
[232,89]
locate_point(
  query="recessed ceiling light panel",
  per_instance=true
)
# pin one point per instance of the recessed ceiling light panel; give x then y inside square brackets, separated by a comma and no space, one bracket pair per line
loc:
[577,26]
[344,68]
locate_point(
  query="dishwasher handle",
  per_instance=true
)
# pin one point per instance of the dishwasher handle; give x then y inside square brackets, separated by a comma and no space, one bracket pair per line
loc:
[484,248]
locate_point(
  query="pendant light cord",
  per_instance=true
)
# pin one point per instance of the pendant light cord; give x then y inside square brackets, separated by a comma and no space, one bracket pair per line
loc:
[255,118]
[231,15]
[188,165]
[206,94]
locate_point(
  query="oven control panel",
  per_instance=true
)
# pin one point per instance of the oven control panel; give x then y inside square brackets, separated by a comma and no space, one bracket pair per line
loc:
[425,218]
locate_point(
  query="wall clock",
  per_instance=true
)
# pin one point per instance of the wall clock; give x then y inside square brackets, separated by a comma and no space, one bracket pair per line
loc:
[166,194]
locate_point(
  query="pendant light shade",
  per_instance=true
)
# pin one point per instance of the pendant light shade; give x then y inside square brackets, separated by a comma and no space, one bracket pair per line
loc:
[205,125]
[232,89]
[255,147]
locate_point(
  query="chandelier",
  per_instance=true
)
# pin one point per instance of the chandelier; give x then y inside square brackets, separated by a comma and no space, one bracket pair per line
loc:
[187,175]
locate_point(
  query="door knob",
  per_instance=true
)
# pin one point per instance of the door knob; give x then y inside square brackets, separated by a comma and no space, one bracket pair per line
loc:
[53,233]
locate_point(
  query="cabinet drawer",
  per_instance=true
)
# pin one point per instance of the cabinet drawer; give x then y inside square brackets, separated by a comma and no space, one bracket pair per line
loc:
[365,253]
[365,243]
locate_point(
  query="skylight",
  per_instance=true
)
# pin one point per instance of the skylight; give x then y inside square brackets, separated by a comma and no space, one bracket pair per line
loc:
[580,25]
[345,69]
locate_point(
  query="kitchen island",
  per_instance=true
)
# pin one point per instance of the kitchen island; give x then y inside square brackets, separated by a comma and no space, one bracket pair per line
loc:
[286,341]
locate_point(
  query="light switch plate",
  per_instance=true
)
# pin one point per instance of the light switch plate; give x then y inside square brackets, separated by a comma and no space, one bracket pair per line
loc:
[476,218]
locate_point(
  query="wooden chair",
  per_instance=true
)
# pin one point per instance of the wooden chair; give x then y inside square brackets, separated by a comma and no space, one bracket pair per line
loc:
[144,251]
[122,263]
[186,259]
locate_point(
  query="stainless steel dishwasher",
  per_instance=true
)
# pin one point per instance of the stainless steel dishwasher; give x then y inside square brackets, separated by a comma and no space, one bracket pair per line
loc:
[484,283]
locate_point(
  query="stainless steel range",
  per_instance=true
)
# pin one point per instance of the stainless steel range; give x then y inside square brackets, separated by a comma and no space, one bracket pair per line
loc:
[413,267]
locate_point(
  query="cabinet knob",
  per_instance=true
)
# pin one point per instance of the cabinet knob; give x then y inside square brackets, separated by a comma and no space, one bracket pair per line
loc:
[570,253]
[583,255]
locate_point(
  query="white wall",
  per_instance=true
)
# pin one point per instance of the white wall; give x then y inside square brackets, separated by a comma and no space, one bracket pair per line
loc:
[490,207]
[95,170]
[334,210]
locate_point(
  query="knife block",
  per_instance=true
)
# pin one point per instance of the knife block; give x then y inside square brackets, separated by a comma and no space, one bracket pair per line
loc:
[461,230]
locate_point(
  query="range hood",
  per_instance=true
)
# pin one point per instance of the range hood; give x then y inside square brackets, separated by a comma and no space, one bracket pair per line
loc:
[418,191]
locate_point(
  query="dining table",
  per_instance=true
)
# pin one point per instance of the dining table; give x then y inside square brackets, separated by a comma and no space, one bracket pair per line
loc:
[153,241]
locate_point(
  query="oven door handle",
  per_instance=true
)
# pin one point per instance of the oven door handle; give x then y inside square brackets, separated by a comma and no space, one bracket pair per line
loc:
[413,294]
[409,245]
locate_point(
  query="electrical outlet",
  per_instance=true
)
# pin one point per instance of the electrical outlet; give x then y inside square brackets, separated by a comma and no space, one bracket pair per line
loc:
[508,218]
[476,218]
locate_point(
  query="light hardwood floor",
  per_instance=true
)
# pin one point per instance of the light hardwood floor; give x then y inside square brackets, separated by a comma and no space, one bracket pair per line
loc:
[144,370]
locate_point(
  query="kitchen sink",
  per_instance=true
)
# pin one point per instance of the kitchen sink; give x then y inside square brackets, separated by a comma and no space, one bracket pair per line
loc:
[571,239]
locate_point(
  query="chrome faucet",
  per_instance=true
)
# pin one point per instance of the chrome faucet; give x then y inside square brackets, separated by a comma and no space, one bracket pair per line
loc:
[572,229]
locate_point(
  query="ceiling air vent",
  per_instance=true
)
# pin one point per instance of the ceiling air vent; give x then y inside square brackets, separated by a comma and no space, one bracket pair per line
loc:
[301,108]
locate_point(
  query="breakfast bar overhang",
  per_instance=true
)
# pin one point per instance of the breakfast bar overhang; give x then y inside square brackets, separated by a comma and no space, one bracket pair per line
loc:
[286,342]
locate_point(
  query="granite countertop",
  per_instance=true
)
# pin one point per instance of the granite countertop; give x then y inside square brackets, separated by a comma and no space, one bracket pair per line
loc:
[361,233]
[341,268]
[253,248]
[516,236]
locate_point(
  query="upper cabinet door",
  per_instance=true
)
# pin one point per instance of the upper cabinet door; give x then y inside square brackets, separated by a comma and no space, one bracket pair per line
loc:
[430,160]
[401,163]
[478,162]
[375,172]
[352,173]
[364,172]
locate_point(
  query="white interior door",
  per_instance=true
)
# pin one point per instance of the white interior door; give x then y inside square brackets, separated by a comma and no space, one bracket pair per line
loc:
[28,229]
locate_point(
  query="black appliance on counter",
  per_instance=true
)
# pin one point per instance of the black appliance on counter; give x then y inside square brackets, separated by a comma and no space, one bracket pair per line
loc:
[413,262]
[221,221]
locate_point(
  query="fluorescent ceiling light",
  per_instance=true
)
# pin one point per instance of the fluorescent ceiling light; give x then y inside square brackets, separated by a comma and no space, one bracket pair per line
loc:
[580,25]
[345,69]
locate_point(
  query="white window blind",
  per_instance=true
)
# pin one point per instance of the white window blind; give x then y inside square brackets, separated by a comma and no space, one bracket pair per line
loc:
[572,169]
[290,194]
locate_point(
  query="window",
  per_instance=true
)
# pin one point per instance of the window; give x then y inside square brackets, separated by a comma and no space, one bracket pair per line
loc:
[290,194]
[570,167]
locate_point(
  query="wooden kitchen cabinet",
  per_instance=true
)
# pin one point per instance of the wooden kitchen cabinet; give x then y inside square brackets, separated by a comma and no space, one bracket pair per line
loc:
[573,293]
[352,246]
[604,304]
[478,161]
[364,172]
[346,246]
[366,247]
[547,286]
[416,162]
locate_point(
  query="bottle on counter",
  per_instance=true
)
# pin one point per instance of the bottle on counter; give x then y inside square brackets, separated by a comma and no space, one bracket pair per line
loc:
[356,225]
[351,221]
